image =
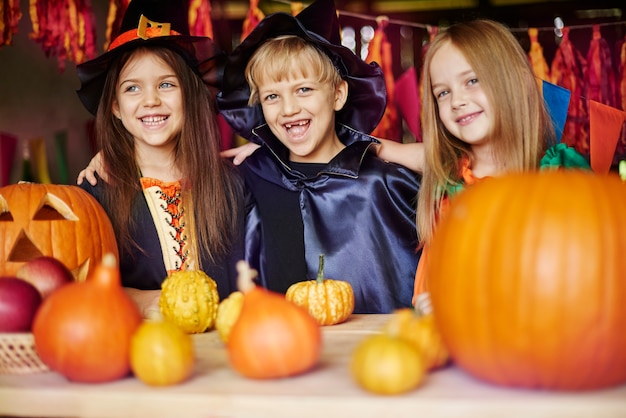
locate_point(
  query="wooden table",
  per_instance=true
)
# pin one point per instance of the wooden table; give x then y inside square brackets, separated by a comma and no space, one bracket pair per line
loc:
[216,390]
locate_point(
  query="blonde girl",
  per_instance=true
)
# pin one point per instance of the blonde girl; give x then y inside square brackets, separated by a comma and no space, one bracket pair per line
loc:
[482,115]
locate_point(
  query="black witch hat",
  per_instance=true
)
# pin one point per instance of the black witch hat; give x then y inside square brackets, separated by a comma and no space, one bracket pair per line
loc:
[151,22]
[318,24]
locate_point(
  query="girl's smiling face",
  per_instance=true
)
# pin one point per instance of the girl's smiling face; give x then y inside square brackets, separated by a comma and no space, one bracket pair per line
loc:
[149,101]
[463,106]
[300,111]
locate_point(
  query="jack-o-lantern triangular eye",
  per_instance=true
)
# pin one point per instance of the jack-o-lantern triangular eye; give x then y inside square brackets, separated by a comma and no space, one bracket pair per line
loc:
[5,214]
[52,208]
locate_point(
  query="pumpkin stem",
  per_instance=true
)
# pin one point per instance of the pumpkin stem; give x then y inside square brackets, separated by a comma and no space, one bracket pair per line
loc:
[320,270]
[106,272]
[109,260]
[246,276]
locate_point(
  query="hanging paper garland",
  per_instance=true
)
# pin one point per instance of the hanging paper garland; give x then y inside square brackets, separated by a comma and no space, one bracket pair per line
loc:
[65,29]
[567,71]
[600,87]
[200,18]
[117,8]
[599,77]
[254,16]
[537,59]
[379,50]
[10,16]
[605,124]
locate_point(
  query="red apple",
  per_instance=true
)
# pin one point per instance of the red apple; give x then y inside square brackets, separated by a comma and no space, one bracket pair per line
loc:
[45,273]
[19,301]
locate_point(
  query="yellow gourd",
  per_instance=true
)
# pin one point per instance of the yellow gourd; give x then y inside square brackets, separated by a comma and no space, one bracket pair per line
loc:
[227,314]
[386,364]
[328,301]
[422,333]
[161,354]
[189,299]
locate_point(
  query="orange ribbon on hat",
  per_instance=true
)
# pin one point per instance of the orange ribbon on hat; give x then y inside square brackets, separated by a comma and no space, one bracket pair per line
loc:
[146,29]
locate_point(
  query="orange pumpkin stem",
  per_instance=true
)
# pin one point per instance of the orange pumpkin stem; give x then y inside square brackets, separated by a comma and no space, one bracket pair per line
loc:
[320,270]
[107,273]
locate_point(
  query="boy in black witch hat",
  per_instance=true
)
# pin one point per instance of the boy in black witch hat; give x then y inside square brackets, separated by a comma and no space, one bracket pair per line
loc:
[291,87]
[174,203]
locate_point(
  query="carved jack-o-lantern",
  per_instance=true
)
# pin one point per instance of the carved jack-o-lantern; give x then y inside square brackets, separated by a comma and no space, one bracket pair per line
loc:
[61,221]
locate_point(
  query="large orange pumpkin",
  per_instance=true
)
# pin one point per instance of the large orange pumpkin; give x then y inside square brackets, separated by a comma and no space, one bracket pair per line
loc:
[527,276]
[61,221]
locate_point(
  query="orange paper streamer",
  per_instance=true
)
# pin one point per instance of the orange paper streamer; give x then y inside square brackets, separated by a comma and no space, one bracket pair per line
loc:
[117,8]
[537,59]
[200,18]
[254,16]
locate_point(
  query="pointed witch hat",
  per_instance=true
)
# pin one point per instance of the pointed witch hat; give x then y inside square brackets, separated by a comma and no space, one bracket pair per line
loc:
[318,24]
[152,22]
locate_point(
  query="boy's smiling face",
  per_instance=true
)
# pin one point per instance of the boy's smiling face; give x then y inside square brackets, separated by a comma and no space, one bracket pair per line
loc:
[300,111]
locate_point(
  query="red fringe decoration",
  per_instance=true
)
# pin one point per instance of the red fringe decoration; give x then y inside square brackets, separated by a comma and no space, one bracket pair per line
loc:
[200,18]
[117,8]
[65,29]
[254,16]
[568,68]
[10,15]
[599,78]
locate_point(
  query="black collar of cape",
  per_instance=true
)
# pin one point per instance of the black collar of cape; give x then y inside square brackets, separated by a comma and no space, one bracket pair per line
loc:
[346,163]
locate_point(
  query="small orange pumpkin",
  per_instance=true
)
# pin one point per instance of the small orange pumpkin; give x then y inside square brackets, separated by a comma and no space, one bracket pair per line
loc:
[83,330]
[329,301]
[272,338]
[527,278]
[61,221]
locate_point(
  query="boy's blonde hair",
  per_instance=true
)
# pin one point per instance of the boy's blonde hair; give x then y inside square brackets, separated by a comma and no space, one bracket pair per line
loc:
[288,56]
[522,127]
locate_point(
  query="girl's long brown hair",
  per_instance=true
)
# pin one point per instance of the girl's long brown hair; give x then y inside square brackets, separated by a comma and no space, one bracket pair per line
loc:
[522,130]
[214,185]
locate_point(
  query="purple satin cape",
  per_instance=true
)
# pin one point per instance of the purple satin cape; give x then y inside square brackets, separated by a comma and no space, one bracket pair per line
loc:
[359,211]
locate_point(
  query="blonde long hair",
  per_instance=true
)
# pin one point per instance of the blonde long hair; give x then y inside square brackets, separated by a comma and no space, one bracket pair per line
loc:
[522,125]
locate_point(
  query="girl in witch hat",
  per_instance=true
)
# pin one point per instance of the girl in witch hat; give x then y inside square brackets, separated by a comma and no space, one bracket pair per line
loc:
[175,204]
